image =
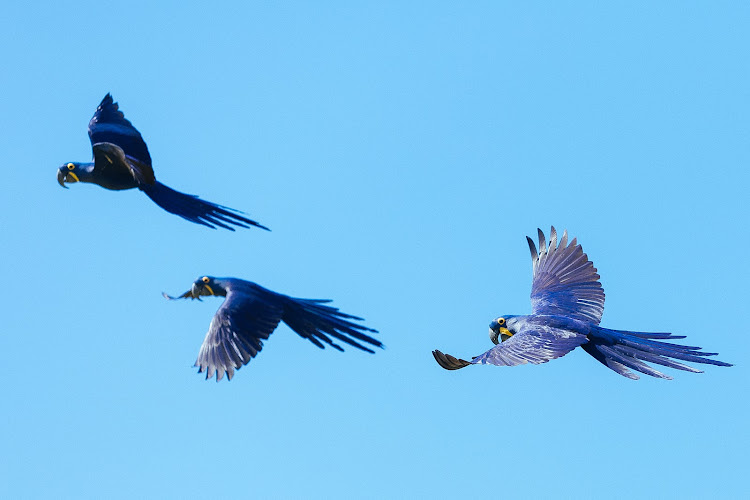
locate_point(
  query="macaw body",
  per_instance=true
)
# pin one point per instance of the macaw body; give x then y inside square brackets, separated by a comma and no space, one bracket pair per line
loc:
[250,313]
[122,161]
[567,305]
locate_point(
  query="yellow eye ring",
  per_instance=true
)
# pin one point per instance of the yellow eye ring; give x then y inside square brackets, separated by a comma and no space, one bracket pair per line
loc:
[500,321]
[71,166]
[205,279]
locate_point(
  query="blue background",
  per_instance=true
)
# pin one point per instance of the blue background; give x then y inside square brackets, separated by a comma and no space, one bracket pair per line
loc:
[400,152]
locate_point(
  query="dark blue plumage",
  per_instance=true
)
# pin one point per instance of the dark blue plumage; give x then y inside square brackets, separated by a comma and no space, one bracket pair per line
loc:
[567,302]
[122,161]
[250,313]
[110,125]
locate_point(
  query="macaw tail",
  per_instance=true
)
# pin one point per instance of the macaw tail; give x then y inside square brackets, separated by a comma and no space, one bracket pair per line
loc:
[315,321]
[620,350]
[192,208]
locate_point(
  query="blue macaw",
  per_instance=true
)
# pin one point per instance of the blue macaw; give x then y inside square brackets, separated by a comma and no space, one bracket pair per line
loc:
[121,161]
[567,302]
[250,313]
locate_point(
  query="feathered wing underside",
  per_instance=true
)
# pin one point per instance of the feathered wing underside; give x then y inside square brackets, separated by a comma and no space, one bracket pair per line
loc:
[565,281]
[623,351]
[250,314]
[237,332]
[320,323]
[110,125]
[535,346]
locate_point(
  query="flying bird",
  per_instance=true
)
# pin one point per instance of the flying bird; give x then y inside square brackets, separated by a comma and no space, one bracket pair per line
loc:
[567,302]
[121,161]
[250,313]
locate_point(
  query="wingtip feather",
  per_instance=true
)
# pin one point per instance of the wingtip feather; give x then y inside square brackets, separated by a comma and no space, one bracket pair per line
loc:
[532,248]
[542,241]
[449,362]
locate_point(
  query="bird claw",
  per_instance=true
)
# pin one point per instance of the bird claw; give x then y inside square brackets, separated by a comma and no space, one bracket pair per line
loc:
[186,295]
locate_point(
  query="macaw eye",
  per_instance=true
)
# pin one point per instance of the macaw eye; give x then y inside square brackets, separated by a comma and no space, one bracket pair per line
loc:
[205,279]
[71,166]
[500,321]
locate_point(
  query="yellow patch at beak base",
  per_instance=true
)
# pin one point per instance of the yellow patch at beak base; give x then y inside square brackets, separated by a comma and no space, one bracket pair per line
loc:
[505,334]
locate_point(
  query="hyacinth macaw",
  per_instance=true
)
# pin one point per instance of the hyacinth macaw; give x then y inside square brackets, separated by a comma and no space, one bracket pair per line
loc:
[250,313]
[567,302]
[121,161]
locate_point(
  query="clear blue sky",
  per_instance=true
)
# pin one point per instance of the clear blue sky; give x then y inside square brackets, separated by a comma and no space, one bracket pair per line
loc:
[400,152]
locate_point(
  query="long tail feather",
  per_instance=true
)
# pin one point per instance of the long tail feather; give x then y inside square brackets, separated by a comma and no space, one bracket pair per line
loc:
[622,350]
[192,208]
[317,322]
[631,361]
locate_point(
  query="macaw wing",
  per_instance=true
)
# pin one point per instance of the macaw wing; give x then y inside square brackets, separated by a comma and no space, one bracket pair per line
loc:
[534,346]
[449,362]
[565,281]
[110,125]
[111,162]
[237,331]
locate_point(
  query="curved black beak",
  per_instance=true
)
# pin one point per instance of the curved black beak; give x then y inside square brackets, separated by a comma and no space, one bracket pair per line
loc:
[61,178]
[498,333]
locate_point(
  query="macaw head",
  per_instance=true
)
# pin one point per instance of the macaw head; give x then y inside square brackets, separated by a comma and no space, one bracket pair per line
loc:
[202,287]
[206,286]
[500,329]
[69,172]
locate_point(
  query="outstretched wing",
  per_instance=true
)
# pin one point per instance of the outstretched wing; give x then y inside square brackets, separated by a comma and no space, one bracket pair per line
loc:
[110,125]
[565,281]
[237,332]
[249,315]
[534,345]
[449,362]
